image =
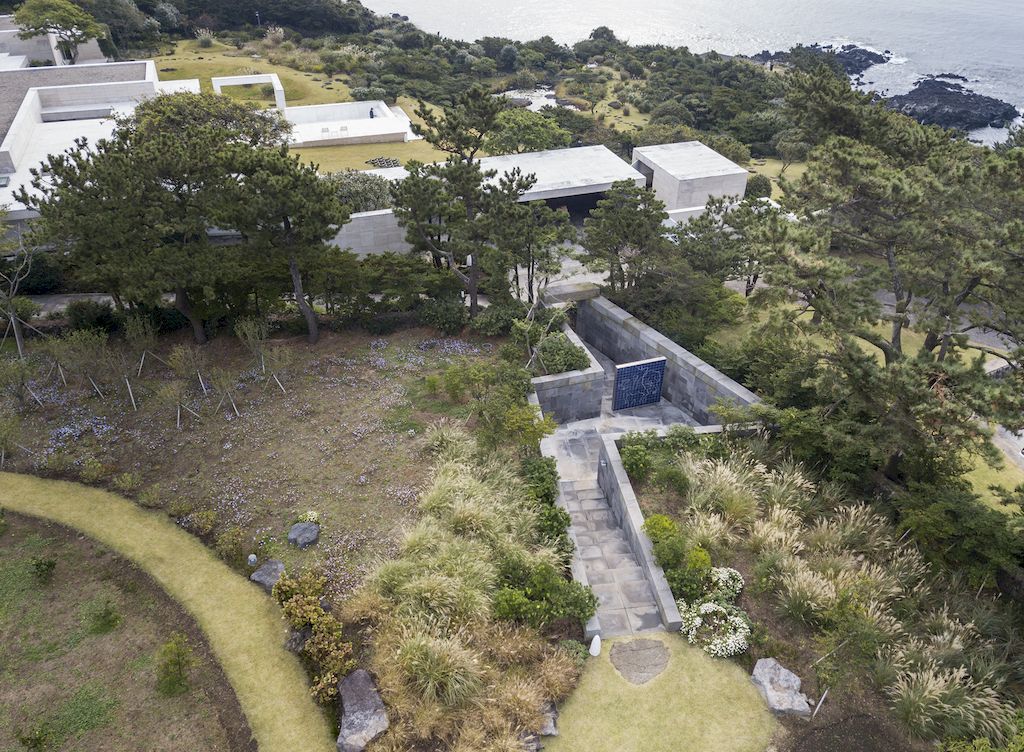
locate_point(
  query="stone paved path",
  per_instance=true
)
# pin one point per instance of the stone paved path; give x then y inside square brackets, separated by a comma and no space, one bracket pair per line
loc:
[626,604]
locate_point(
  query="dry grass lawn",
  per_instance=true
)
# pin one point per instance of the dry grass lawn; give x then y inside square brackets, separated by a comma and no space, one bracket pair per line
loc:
[243,626]
[697,703]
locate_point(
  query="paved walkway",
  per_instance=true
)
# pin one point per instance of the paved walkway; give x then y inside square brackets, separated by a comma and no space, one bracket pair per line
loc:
[626,603]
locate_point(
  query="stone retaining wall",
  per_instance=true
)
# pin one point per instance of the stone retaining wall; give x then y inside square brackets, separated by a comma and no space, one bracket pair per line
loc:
[573,395]
[690,383]
[372,232]
[614,483]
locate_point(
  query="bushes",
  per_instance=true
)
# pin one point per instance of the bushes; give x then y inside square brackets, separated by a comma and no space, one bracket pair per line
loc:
[440,669]
[758,186]
[301,599]
[545,597]
[174,663]
[448,316]
[541,475]
[42,569]
[557,354]
[497,319]
[636,460]
[92,314]
[689,579]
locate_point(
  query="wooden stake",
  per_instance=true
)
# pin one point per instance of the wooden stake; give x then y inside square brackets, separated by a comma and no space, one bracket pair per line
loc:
[179,416]
[234,406]
[95,387]
[34,395]
[63,378]
[130,394]
[820,702]
[192,411]
[3,456]
[142,362]
[201,384]
[279,383]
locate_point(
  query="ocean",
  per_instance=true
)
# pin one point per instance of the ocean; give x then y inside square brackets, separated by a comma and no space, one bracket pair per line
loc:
[978,39]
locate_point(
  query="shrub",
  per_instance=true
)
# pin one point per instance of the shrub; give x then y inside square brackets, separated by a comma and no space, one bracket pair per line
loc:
[660,527]
[541,474]
[387,323]
[575,650]
[447,316]
[93,471]
[552,523]
[497,319]
[205,42]
[758,186]
[126,483]
[432,383]
[805,595]
[670,552]
[720,631]
[556,353]
[546,597]
[689,580]
[232,545]
[637,461]
[440,669]
[92,314]
[3,522]
[673,478]
[102,616]
[42,568]
[174,663]
[202,522]
[724,585]
[26,309]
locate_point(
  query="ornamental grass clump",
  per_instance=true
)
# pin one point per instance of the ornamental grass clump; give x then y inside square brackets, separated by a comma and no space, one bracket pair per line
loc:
[455,623]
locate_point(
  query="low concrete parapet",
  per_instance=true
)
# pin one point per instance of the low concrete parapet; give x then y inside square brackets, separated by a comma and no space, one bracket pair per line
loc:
[614,483]
[569,292]
[573,395]
[690,383]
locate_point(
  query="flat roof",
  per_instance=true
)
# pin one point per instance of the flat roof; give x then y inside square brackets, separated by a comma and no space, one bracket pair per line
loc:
[559,172]
[14,84]
[687,160]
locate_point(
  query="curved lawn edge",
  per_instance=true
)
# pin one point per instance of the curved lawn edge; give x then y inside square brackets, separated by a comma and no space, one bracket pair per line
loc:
[243,626]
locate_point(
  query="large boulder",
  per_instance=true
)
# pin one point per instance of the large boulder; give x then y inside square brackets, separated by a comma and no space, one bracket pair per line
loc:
[363,717]
[304,534]
[937,102]
[780,688]
[268,574]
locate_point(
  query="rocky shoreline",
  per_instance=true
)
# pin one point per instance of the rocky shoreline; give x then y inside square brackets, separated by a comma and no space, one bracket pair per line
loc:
[940,99]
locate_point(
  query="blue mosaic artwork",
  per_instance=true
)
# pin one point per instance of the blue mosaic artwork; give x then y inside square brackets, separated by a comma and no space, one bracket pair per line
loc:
[638,383]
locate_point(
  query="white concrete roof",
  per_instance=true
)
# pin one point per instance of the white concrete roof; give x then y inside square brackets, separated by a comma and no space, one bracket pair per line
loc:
[559,172]
[687,160]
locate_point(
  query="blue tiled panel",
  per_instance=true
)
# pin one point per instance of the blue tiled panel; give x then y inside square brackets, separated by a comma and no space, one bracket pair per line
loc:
[638,383]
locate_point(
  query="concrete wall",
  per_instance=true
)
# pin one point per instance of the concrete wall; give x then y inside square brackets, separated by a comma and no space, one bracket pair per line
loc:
[696,191]
[327,113]
[20,134]
[218,82]
[573,395]
[690,383]
[372,232]
[614,483]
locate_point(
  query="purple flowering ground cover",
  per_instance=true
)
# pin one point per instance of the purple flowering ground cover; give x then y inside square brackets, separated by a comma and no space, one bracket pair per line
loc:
[345,443]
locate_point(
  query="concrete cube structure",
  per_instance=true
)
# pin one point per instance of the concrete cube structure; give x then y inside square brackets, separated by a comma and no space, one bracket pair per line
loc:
[685,175]
[219,82]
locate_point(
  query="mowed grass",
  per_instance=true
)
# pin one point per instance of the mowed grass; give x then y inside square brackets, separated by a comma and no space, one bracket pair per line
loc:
[189,60]
[697,703]
[773,169]
[243,626]
[983,476]
[77,653]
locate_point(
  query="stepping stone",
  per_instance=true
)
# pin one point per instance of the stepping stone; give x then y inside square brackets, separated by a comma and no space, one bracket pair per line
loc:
[639,661]
[363,717]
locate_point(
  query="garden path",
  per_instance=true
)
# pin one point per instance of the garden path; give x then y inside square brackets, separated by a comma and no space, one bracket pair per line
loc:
[626,603]
[243,626]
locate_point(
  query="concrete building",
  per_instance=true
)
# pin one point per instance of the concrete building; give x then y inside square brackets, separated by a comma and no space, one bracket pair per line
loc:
[43,110]
[16,52]
[685,175]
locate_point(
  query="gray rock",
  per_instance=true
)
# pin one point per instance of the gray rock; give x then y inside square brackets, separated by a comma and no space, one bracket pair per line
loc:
[639,661]
[530,743]
[297,639]
[550,727]
[268,574]
[304,534]
[780,688]
[363,717]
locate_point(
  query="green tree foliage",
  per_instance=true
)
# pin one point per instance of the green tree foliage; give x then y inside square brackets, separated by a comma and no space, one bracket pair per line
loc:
[519,130]
[70,24]
[758,186]
[360,191]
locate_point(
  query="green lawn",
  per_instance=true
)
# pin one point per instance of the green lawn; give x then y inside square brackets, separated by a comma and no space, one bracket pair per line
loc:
[244,627]
[698,704]
[189,60]
[773,169]
[983,476]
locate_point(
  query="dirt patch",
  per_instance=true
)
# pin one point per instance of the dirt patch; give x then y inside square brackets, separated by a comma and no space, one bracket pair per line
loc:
[639,661]
[54,660]
[855,733]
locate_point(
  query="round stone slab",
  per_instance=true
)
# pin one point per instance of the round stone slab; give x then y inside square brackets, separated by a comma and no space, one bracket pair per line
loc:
[639,661]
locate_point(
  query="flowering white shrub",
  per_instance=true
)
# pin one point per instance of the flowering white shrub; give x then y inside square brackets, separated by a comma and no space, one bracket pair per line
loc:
[721,631]
[311,516]
[724,585]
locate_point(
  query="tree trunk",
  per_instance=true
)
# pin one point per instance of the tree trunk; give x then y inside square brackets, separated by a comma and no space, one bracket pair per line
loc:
[300,299]
[473,287]
[184,307]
